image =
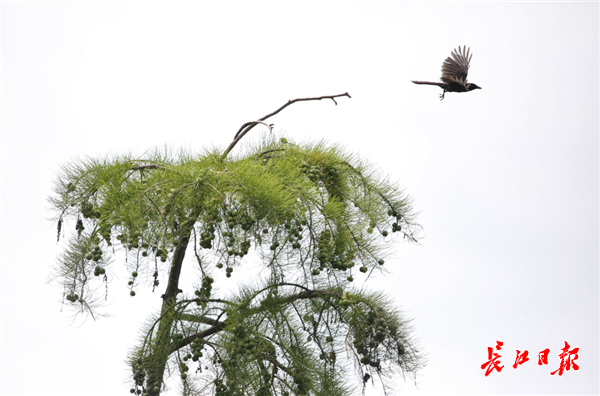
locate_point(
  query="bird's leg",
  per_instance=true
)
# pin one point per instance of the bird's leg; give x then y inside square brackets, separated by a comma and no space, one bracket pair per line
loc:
[442,95]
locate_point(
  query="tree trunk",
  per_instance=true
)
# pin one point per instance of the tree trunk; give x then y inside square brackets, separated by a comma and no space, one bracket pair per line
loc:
[163,336]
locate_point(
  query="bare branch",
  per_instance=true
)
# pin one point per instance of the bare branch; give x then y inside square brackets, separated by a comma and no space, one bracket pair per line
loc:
[151,166]
[332,97]
[249,125]
[252,124]
[270,151]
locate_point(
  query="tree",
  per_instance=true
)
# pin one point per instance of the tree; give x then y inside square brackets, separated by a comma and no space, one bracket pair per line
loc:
[313,215]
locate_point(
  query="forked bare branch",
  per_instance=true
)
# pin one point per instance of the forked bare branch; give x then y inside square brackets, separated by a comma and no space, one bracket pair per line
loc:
[244,129]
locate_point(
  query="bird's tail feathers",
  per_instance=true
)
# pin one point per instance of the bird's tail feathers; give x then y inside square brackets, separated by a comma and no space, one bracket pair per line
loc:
[428,83]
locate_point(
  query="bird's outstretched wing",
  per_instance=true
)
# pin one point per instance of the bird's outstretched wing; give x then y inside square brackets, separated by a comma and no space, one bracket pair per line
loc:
[456,68]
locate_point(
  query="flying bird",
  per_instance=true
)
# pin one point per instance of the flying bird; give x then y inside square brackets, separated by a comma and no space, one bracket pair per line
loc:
[454,73]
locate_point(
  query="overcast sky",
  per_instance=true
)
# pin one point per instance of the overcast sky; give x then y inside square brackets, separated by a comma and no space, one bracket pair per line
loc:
[505,178]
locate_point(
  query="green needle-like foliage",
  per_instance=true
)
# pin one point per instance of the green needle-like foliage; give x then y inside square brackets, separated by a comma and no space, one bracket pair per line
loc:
[315,216]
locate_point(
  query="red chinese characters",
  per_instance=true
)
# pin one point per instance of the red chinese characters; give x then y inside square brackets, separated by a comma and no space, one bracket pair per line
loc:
[567,359]
[493,362]
[543,356]
[521,358]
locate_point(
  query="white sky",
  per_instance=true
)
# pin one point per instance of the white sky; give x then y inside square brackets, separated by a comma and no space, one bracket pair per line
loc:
[505,178]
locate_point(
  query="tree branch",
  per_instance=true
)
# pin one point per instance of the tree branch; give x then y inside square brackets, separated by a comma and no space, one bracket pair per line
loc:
[217,325]
[270,151]
[200,319]
[249,125]
[252,124]
[149,166]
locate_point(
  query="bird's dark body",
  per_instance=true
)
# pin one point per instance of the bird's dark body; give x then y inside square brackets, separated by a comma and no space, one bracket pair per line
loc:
[455,87]
[454,73]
